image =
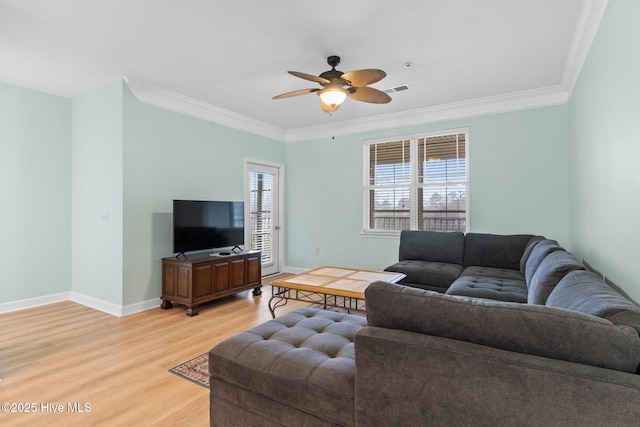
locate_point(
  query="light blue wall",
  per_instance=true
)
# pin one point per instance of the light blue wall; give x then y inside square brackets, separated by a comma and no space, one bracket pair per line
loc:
[605,150]
[35,177]
[518,184]
[171,156]
[96,193]
[567,172]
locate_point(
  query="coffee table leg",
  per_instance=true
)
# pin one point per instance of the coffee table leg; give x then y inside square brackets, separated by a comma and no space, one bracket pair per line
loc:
[271,309]
[280,301]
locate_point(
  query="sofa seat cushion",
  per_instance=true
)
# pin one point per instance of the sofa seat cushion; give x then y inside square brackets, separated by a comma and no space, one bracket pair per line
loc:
[303,359]
[437,275]
[586,292]
[499,273]
[551,270]
[523,328]
[490,287]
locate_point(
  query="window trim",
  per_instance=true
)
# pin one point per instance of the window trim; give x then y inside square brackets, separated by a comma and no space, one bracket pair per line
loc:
[368,232]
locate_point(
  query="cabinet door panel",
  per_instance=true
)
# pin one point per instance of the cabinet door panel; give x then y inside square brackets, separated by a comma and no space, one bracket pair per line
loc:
[169,277]
[254,270]
[237,276]
[221,277]
[202,281]
[184,282]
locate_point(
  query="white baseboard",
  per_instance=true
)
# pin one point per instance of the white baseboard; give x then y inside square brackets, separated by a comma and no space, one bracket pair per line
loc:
[8,307]
[97,304]
[295,270]
[139,307]
[87,301]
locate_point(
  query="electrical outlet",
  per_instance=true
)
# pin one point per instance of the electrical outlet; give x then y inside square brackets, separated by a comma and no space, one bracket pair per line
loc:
[317,251]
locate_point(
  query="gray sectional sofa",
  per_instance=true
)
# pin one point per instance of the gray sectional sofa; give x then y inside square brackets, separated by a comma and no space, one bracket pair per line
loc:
[519,334]
[498,267]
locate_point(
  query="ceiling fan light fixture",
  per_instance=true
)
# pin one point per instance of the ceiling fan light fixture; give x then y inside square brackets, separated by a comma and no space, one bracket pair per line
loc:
[336,86]
[333,96]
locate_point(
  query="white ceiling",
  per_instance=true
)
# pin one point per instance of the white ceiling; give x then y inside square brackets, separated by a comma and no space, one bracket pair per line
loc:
[232,57]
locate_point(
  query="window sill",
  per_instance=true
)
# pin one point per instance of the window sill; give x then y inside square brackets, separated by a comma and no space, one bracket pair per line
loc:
[391,234]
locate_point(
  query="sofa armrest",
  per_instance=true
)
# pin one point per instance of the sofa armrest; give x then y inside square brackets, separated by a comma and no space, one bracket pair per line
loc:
[407,378]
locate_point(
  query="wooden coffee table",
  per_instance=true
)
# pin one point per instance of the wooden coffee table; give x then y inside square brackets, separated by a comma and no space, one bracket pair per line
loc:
[328,286]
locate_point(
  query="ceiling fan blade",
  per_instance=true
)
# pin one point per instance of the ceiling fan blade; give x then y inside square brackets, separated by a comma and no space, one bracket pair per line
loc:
[368,94]
[359,78]
[295,93]
[328,108]
[311,77]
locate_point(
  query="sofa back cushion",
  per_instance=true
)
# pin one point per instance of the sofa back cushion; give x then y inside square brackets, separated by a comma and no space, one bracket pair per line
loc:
[527,251]
[523,328]
[586,292]
[494,250]
[538,253]
[433,246]
[552,269]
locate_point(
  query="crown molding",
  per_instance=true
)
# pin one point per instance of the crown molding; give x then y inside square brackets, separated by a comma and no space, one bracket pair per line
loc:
[174,101]
[514,101]
[586,28]
[535,98]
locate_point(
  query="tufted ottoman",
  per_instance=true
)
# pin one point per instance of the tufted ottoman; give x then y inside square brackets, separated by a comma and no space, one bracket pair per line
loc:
[297,369]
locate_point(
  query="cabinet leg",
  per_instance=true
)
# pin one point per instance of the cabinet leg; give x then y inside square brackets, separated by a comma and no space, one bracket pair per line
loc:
[257,291]
[193,310]
[166,304]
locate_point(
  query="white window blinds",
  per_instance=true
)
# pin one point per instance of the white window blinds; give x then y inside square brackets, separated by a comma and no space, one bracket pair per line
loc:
[261,218]
[390,185]
[418,182]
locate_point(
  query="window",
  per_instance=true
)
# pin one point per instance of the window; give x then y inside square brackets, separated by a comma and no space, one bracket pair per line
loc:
[416,182]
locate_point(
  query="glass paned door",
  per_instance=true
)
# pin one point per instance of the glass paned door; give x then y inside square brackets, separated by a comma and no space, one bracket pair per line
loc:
[263,215]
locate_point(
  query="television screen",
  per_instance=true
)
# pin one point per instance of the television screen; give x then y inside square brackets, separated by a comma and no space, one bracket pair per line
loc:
[199,225]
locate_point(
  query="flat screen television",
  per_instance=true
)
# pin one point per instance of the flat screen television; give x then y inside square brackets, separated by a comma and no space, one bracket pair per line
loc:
[200,225]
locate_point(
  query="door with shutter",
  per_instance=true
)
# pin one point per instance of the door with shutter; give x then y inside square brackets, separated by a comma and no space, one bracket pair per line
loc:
[262,204]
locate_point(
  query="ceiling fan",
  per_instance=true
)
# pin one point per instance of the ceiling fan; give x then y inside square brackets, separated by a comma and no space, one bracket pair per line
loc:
[336,86]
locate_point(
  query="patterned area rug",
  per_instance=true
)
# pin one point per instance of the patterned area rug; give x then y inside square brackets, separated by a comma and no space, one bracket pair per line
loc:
[196,370]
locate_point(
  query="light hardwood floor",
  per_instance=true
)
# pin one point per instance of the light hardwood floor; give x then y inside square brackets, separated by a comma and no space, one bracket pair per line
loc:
[66,353]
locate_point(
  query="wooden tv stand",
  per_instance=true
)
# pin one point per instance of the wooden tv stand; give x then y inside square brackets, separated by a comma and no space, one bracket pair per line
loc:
[204,277]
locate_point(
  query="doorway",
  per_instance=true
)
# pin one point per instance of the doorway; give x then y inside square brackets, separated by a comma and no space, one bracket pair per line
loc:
[263,209]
